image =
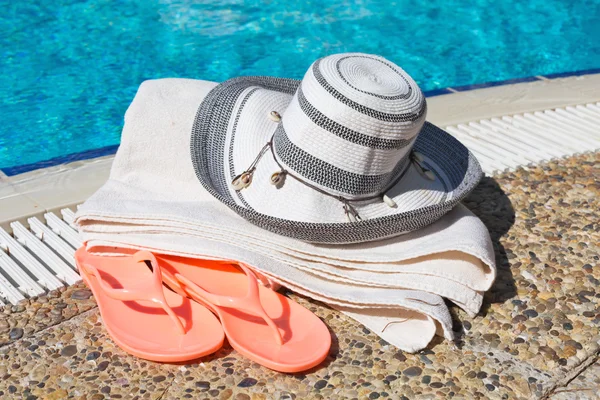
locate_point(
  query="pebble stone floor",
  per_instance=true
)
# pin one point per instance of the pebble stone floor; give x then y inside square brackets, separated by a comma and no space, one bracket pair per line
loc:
[537,335]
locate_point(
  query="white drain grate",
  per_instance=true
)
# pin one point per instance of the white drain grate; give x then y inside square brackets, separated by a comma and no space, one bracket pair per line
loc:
[39,258]
[505,143]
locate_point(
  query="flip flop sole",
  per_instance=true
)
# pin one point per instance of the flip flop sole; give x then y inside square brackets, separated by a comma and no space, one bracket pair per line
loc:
[306,339]
[143,328]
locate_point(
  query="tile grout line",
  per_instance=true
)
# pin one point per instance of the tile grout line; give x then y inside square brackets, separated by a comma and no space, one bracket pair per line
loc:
[571,375]
[523,367]
[14,342]
[166,390]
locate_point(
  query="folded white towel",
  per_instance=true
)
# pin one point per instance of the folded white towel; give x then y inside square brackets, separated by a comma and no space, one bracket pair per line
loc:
[154,201]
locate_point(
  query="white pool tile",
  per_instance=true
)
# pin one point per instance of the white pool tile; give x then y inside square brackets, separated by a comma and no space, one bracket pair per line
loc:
[473,105]
[64,187]
[15,206]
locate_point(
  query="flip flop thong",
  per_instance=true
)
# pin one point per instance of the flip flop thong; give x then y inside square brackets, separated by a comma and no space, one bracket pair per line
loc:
[142,316]
[260,323]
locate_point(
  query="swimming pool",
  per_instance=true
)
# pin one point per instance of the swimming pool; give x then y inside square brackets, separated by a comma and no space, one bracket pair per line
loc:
[70,68]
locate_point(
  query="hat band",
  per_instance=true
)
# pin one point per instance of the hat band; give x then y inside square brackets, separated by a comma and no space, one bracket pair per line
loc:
[244,179]
[327,175]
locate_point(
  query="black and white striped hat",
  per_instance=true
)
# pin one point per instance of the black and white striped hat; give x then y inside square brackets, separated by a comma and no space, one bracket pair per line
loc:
[343,156]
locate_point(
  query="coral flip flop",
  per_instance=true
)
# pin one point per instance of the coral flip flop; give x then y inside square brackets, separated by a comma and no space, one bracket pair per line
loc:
[141,315]
[260,323]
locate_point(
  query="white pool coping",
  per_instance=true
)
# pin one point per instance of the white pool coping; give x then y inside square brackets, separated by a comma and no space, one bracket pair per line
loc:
[37,192]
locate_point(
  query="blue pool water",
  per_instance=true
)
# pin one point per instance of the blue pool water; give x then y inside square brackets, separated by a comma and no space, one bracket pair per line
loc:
[70,68]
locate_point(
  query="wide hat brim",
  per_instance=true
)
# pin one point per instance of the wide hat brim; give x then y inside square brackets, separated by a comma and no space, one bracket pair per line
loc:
[230,129]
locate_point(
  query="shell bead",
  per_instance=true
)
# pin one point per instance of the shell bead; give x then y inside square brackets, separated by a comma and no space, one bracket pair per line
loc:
[242,181]
[418,156]
[424,172]
[389,201]
[275,116]
[277,178]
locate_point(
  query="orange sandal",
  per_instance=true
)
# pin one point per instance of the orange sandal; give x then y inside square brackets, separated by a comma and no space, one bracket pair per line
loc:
[142,316]
[261,324]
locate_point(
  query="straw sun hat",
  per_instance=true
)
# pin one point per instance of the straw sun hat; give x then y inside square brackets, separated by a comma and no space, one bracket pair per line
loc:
[343,156]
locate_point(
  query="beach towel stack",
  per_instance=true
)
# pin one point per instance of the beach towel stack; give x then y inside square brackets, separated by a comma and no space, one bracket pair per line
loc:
[334,187]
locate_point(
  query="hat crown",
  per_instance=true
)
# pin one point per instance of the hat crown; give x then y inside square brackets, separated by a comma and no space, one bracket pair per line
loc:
[351,124]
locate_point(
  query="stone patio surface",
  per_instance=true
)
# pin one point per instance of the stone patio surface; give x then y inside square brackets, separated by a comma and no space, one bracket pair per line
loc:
[537,335]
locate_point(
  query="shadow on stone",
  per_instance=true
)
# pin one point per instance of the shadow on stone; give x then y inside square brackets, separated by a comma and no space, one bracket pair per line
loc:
[334,353]
[219,356]
[489,202]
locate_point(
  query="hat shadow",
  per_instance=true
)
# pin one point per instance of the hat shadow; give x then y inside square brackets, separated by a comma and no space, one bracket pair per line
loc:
[491,204]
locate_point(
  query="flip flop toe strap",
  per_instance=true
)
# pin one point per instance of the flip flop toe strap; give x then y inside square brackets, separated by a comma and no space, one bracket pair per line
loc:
[153,292]
[249,303]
